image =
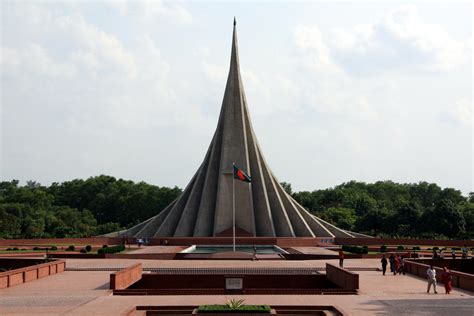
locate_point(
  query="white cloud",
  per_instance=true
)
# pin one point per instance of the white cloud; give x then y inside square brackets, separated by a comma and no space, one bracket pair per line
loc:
[459,113]
[149,10]
[400,39]
[85,93]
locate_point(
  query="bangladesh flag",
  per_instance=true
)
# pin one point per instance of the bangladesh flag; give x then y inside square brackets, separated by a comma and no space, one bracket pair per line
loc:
[239,174]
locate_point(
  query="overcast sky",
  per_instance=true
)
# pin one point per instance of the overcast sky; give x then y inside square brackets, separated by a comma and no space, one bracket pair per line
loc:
[337,91]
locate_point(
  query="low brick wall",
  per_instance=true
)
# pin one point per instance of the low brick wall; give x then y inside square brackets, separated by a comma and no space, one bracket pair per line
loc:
[344,279]
[459,279]
[124,278]
[396,242]
[27,274]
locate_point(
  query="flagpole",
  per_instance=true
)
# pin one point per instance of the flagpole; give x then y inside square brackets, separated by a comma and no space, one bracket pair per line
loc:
[233,207]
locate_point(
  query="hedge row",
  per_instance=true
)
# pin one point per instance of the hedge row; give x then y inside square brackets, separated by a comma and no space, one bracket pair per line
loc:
[112,249]
[355,249]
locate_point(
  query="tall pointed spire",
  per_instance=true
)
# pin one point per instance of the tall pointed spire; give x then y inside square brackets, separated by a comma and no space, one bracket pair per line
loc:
[263,208]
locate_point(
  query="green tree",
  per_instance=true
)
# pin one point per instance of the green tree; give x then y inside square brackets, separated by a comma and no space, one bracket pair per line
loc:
[445,218]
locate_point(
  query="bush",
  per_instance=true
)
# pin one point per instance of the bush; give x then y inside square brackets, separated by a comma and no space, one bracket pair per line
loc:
[83,250]
[53,248]
[36,248]
[416,248]
[400,247]
[88,248]
[9,249]
[383,248]
[105,246]
[112,249]
[15,249]
[71,248]
[355,249]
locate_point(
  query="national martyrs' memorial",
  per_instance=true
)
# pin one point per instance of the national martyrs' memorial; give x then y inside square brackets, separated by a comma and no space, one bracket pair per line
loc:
[262,207]
[288,261]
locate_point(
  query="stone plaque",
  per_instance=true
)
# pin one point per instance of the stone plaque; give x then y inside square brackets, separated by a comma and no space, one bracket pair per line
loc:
[234,284]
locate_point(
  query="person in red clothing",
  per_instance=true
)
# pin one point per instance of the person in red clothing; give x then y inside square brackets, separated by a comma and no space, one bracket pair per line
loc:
[447,278]
[341,258]
[397,266]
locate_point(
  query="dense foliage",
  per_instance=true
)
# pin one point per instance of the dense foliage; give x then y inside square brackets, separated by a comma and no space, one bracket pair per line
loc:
[389,209]
[104,204]
[78,208]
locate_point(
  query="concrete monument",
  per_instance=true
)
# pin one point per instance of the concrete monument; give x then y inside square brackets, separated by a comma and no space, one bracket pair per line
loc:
[262,207]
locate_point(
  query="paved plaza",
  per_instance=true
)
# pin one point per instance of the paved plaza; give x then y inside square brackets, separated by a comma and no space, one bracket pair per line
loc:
[87,292]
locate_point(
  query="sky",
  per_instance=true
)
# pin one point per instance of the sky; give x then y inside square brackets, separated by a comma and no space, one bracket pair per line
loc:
[337,91]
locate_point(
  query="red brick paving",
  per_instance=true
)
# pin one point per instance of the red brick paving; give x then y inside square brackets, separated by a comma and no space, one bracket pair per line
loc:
[87,293]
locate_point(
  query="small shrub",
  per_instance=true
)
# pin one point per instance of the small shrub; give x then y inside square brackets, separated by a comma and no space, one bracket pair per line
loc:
[416,248]
[88,248]
[83,250]
[24,249]
[53,248]
[383,248]
[105,246]
[400,247]
[15,249]
[36,248]
[71,248]
[9,249]
[235,304]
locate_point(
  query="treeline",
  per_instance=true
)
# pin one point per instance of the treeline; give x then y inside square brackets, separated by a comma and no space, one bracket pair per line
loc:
[388,209]
[104,204]
[78,208]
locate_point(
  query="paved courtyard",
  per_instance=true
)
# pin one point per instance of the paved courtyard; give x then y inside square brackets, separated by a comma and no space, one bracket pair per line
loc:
[87,293]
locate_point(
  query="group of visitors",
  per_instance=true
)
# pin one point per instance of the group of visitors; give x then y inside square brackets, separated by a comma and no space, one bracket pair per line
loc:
[446,278]
[397,264]
[439,254]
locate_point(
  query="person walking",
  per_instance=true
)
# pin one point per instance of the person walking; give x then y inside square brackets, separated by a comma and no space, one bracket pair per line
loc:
[464,252]
[453,253]
[391,260]
[431,275]
[402,265]
[397,265]
[447,280]
[341,258]
[384,264]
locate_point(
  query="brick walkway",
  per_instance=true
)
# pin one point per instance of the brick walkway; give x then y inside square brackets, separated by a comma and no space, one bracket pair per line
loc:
[87,293]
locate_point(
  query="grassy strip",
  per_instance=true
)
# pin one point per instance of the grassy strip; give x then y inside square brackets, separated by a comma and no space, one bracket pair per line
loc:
[242,309]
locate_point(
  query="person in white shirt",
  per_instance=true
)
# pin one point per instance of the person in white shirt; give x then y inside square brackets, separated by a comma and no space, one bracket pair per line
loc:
[431,274]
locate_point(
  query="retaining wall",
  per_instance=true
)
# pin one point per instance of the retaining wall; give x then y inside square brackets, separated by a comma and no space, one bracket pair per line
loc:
[344,279]
[27,274]
[459,279]
[124,278]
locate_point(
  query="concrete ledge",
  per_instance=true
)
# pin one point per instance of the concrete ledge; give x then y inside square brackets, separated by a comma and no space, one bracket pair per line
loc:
[344,279]
[124,278]
[31,273]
